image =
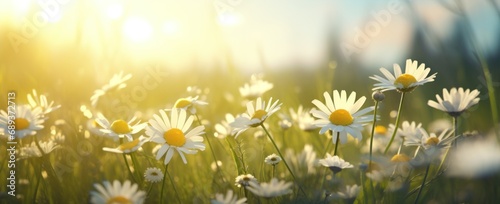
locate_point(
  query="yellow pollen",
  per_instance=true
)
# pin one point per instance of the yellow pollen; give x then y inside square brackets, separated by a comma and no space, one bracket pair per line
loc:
[432,141]
[175,137]
[182,103]
[406,80]
[21,123]
[400,158]
[120,127]
[129,145]
[118,200]
[259,114]
[381,130]
[341,117]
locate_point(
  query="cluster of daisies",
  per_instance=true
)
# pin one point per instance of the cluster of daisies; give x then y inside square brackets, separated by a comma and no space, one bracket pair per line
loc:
[30,118]
[178,130]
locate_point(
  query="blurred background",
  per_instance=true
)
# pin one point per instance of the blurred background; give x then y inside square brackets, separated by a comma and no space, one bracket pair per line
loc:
[68,48]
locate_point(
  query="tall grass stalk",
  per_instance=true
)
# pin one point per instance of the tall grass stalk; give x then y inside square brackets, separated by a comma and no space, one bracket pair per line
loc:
[281,155]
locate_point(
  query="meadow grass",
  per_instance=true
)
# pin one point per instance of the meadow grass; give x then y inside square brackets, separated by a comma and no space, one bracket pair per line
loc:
[69,172]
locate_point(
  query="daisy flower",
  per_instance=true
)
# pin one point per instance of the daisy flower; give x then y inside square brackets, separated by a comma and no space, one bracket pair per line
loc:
[272,159]
[400,163]
[128,147]
[27,121]
[174,134]
[348,193]
[189,103]
[33,151]
[153,174]
[341,115]
[256,88]
[415,75]
[117,193]
[120,128]
[245,180]
[254,116]
[455,101]
[230,198]
[410,132]
[304,162]
[223,129]
[335,163]
[117,81]
[272,189]
[41,102]
[475,159]
[303,118]
[431,142]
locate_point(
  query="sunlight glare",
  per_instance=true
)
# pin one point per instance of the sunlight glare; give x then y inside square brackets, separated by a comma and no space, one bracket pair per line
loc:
[137,29]
[171,28]
[114,11]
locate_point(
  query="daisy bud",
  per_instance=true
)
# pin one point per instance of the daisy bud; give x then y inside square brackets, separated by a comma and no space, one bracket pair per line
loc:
[378,96]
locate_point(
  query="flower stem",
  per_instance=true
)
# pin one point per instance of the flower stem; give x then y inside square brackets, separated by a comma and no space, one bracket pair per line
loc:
[336,144]
[209,145]
[127,164]
[163,183]
[281,155]
[173,184]
[373,131]
[397,123]
[423,183]
[455,135]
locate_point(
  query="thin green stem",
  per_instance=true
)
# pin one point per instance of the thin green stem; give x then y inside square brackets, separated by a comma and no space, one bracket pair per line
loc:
[455,135]
[137,167]
[273,171]
[127,164]
[397,122]
[281,155]
[336,144]
[423,183]
[401,145]
[373,131]
[209,145]
[363,186]
[163,183]
[149,189]
[173,184]
[37,184]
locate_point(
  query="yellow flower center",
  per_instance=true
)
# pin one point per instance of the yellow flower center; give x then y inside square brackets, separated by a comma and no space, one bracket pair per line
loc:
[259,114]
[129,145]
[381,130]
[175,137]
[21,123]
[119,200]
[120,127]
[182,103]
[406,80]
[400,158]
[432,141]
[341,117]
